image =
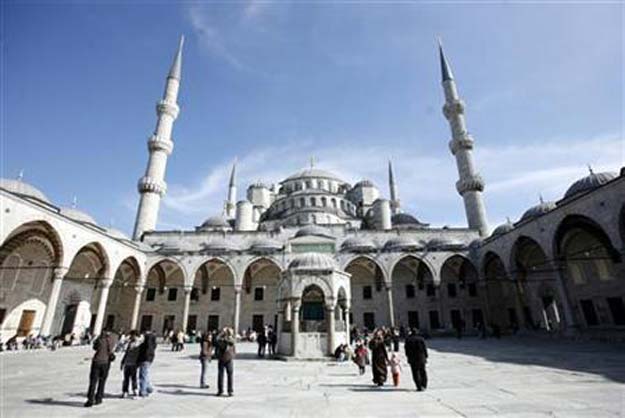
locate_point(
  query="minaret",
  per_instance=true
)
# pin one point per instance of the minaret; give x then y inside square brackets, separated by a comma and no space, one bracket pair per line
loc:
[393,190]
[470,184]
[230,205]
[152,185]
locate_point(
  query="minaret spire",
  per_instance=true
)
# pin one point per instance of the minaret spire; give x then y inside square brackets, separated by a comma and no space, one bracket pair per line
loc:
[230,205]
[470,184]
[152,186]
[393,189]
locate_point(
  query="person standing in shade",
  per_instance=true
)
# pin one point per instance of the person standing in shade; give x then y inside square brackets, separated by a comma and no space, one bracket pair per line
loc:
[379,358]
[147,352]
[225,351]
[104,347]
[261,339]
[130,362]
[272,337]
[417,354]
[206,348]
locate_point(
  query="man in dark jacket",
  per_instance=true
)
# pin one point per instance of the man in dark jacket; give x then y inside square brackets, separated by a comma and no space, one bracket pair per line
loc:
[130,362]
[224,351]
[146,357]
[417,354]
[100,364]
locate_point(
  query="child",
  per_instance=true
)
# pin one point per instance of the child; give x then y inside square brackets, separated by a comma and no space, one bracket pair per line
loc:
[360,357]
[395,368]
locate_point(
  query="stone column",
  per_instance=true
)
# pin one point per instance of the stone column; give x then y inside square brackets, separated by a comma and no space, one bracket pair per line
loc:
[105,286]
[185,311]
[347,325]
[391,311]
[331,329]
[237,309]
[569,318]
[135,309]
[295,325]
[57,281]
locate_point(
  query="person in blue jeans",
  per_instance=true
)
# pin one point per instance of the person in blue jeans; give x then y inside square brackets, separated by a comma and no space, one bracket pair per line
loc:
[225,351]
[145,359]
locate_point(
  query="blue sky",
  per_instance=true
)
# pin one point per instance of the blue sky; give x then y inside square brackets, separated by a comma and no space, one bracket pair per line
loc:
[273,83]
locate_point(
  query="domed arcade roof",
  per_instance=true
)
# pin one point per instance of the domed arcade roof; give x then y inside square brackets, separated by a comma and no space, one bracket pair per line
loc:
[503,229]
[445,243]
[265,245]
[22,188]
[312,261]
[406,220]
[538,210]
[403,243]
[590,182]
[313,230]
[78,215]
[216,221]
[358,244]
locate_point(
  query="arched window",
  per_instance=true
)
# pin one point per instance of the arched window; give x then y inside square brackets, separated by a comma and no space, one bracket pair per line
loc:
[324,202]
[313,201]
[302,202]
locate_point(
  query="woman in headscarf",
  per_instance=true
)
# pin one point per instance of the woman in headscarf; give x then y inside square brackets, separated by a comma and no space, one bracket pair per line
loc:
[379,358]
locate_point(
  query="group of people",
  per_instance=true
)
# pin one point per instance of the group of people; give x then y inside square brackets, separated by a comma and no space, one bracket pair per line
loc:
[222,347]
[34,342]
[266,337]
[415,350]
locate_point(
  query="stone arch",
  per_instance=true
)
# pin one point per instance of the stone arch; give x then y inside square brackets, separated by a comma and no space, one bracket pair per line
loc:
[415,293]
[313,300]
[460,302]
[259,293]
[501,293]
[213,294]
[122,294]
[592,270]
[91,262]
[163,299]
[369,300]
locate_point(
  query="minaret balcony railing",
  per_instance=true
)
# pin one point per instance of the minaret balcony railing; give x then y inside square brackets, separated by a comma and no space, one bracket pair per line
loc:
[463,143]
[159,144]
[151,185]
[475,183]
[165,107]
[453,108]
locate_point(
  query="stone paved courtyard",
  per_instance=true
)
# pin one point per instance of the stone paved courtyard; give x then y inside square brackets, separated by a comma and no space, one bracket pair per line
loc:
[510,377]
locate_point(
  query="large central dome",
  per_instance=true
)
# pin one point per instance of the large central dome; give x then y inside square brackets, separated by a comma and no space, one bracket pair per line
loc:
[313,173]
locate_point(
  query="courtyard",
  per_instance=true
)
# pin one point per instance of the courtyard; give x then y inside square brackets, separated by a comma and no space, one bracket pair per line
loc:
[468,378]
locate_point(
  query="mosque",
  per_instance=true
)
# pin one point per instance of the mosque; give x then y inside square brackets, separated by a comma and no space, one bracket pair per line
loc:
[314,255]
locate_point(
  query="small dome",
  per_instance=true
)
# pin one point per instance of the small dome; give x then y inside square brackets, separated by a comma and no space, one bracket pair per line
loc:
[502,229]
[216,221]
[116,233]
[21,188]
[313,230]
[364,183]
[445,243]
[78,215]
[313,173]
[403,244]
[312,261]
[358,244]
[265,245]
[590,182]
[406,220]
[538,210]
[219,245]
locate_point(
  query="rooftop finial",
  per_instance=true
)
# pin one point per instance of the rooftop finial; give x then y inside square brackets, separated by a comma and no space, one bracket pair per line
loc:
[540,198]
[590,169]
[445,69]
[20,175]
[508,220]
[312,162]
[176,66]
[74,202]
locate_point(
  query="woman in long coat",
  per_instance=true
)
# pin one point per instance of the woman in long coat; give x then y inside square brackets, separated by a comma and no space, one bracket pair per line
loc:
[379,359]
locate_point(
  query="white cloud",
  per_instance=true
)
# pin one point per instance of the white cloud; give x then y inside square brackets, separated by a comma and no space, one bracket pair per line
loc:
[514,175]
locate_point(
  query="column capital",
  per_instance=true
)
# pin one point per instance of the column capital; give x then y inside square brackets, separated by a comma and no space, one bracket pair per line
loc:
[296,304]
[237,289]
[59,272]
[188,289]
[139,288]
[105,283]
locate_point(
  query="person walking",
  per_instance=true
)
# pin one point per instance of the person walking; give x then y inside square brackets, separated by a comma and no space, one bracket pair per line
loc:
[395,368]
[147,353]
[225,351]
[360,357]
[417,354]
[379,358]
[206,348]
[130,362]
[395,339]
[100,365]
[262,342]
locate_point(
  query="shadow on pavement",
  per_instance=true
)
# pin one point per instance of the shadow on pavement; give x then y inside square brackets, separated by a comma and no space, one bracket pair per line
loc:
[50,401]
[604,359]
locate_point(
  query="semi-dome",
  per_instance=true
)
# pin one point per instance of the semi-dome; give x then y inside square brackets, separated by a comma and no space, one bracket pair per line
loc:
[405,219]
[313,173]
[312,261]
[78,215]
[503,229]
[314,231]
[23,188]
[265,245]
[538,210]
[358,244]
[445,243]
[403,244]
[364,183]
[590,182]
[219,245]
[216,221]
[116,233]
